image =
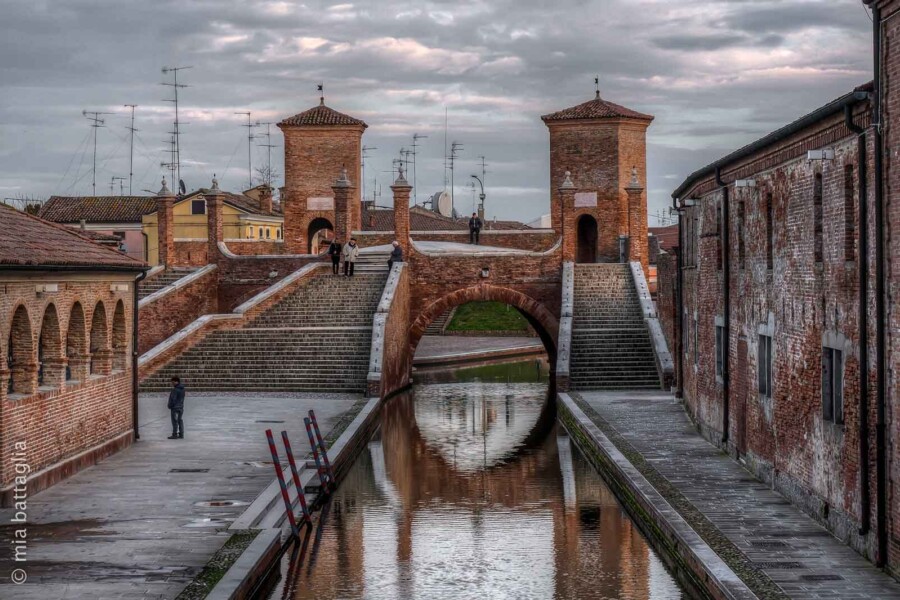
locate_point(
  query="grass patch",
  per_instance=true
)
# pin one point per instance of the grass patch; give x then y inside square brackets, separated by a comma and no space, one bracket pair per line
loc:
[217,566]
[487,316]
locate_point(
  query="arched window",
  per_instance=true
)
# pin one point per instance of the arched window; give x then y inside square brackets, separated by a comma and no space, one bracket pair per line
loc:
[51,371]
[101,363]
[20,355]
[119,338]
[268,233]
[76,345]
[260,233]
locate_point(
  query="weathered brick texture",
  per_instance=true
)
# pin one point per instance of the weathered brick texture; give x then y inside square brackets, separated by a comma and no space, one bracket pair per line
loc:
[165,316]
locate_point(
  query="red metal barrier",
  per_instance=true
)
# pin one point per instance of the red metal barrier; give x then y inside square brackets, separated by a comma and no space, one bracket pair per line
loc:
[290,454]
[318,450]
[284,491]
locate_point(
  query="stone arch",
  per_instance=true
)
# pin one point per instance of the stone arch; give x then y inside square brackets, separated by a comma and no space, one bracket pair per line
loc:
[101,357]
[20,355]
[313,231]
[119,338]
[77,355]
[51,363]
[543,321]
[587,231]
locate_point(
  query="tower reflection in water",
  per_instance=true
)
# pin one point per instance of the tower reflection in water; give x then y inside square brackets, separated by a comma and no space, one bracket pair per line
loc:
[469,490]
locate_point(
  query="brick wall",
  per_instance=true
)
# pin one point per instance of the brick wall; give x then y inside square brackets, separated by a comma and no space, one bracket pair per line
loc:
[176,309]
[537,241]
[85,321]
[191,254]
[783,438]
[253,248]
[666,305]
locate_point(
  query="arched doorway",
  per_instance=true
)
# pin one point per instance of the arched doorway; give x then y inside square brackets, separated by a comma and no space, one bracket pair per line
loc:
[587,240]
[20,355]
[320,233]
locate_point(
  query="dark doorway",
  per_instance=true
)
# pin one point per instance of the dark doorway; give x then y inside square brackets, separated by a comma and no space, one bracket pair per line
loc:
[587,239]
[319,234]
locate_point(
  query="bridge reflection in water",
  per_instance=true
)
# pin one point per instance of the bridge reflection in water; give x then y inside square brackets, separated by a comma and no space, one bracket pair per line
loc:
[468,490]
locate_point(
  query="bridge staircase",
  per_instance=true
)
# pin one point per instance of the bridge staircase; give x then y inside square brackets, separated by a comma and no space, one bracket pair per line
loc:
[318,338]
[161,280]
[611,345]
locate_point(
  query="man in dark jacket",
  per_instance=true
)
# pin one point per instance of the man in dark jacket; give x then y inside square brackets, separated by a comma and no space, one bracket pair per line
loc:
[474,228]
[396,255]
[334,251]
[176,409]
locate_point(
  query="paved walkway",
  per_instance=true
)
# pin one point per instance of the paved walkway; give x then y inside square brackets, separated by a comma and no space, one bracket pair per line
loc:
[130,527]
[439,348]
[785,552]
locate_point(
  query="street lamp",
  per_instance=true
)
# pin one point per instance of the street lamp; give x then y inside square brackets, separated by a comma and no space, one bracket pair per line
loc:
[481,197]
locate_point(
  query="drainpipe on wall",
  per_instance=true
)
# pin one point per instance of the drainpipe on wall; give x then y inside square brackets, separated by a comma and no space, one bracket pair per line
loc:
[679,310]
[134,356]
[880,442]
[726,300]
[863,257]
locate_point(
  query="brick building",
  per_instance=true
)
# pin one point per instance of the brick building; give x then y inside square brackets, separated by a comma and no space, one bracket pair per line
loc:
[318,143]
[778,306]
[67,392]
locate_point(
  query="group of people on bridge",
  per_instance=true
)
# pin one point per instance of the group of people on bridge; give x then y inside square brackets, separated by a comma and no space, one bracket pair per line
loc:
[349,252]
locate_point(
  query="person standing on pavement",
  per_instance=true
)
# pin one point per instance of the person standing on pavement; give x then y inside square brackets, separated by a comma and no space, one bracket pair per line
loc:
[396,255]
[474,228]
[350,252]
[176,409]
[334,251]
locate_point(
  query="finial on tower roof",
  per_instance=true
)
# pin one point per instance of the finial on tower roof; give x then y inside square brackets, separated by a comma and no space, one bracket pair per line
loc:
[597,86]
[567,182]
[343,180]
[401,177]
[322,94]
[164,190]
[215,182]
[634,184]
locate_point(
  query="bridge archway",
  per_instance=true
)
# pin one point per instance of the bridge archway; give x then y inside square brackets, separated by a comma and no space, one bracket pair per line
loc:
[587,239]
[319,233]
[537,315]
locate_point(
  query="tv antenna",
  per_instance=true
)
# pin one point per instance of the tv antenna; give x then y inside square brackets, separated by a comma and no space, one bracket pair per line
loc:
[268,146]
[455,148]
[249,127]
[131,153]
[176,140]
[96,123]
[363,157]
[112,183]
[415,145]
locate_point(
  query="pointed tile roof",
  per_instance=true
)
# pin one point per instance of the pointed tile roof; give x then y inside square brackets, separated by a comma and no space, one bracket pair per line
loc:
[598,108]
[321,115]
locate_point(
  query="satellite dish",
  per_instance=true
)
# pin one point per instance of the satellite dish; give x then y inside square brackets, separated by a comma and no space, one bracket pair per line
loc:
[442,204]
[181,188]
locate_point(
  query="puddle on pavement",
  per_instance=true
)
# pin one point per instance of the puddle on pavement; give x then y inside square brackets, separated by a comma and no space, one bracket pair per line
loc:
[220,503]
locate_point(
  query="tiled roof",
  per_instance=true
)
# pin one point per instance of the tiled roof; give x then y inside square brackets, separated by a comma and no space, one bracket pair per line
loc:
[422,219]
[97,209]
[667,236]
[598,108]
[322,115]
[28,241]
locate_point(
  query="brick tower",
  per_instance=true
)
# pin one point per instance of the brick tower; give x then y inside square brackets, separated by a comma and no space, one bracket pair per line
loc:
[318,143]
[599,143]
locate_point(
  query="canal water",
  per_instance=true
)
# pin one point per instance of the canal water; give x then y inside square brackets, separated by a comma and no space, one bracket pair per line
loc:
[469,489]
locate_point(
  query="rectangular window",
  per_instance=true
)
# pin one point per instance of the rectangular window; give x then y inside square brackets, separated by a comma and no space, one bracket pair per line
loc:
[764,366]
[198,207]
[849,215]
[740,234]
[720,351]
[817,217]
[770,231]
[833,385]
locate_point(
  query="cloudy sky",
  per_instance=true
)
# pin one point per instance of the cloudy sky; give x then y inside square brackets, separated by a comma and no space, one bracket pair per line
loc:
[716,73]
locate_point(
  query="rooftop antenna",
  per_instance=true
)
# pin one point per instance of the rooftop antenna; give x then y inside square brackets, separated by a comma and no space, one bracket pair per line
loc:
[121,181]
[268,146]
[415,144]
[322,94]
[455,148]
[249,127]
[131,153]
[96,123]
[176,147]
[597,86]
[363,157]
[446,161]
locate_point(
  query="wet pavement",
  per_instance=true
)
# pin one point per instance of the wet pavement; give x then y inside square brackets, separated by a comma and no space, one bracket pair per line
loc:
[469,490]
[777,550]
[144,522]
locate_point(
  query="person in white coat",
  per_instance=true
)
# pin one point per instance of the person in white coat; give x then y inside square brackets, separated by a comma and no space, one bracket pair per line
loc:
[349,254]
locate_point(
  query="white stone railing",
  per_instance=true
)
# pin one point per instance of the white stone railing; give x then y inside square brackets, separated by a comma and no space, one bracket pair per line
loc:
[665,366]
[379,327]
[177,285]
[566,314]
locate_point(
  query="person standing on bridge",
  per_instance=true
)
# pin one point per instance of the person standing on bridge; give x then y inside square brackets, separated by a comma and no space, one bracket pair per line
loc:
[396,255]
[350,252]
[176,409]
[334,251]
[474,228]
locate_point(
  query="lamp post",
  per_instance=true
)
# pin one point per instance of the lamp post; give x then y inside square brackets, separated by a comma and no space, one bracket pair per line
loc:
[481,198]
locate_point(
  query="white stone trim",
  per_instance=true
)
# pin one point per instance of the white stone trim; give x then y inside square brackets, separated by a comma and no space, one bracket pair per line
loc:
[664,363]
[564,342]
[184,281]
[379,322]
